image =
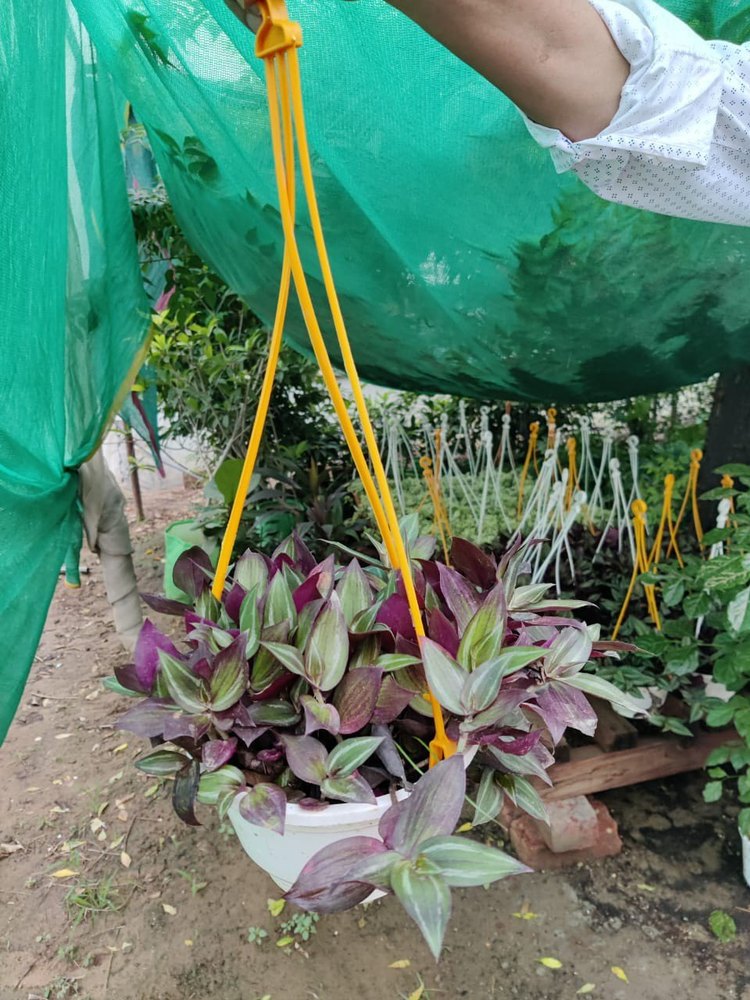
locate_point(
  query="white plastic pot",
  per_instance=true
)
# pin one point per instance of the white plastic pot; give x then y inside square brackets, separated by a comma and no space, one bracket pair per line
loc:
[306,832]
[745,857]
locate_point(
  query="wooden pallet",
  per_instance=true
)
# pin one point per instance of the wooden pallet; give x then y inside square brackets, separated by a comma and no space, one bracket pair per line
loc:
[590,769]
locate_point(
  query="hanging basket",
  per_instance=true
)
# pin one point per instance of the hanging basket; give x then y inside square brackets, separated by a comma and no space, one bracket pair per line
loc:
[306,832]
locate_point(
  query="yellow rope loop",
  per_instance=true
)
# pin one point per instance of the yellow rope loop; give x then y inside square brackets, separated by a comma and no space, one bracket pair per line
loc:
[641,564]
[551,427]
[696,457]
[276,43]
[530,452]
[690,497]
[665,518]
[440,516]
[727,483]
[572,472]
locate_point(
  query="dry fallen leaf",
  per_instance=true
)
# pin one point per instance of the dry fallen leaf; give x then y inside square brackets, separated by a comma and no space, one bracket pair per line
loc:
[102,835]
[96,825]
[126,947]
[620,973]
[59,810]
[586,988]
[551,963]
[403,963]
[126,798]
[7,849]
[125,859]
[64,873]
[169,909]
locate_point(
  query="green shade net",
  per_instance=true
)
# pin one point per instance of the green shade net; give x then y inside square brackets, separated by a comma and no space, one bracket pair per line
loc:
[465,263]
[74,312]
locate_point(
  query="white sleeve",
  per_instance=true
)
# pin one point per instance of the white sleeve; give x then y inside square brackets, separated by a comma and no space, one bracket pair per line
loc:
[680,141]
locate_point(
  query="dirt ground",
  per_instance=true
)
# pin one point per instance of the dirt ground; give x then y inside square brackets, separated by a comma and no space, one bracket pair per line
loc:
[105,893]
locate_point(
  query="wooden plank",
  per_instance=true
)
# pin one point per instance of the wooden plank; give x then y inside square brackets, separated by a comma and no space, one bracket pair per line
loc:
[612,731]
[659,757]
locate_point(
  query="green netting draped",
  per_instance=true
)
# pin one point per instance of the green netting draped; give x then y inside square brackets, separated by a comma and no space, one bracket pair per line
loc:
[71,298]
[464,262]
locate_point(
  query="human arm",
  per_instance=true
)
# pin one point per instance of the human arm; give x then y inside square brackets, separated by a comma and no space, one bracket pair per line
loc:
[555,59]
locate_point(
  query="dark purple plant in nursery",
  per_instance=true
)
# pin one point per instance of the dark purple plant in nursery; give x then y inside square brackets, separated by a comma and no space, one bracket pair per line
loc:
[306,684]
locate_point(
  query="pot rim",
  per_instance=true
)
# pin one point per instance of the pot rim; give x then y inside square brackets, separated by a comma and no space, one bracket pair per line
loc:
[336,815]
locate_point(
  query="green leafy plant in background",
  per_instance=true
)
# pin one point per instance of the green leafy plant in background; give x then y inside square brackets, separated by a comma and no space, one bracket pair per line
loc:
[208,352]
[705,638]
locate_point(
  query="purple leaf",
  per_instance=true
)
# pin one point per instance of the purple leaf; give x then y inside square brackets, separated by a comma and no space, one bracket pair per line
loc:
[192,726]
[394,613]
[193,572]
[444,632]
[325,884]
[562,707]
[306,757]
[306,592]
[230,675]
[535,762]
[216,753]
[233,601]
[128,677]
[356,697]
[146,656]
[462,599]
[163,605]
[327,650]
[264,805]
[148,717]
[432,810]
[389,755]
[249,734]
[302,555]
[473,563]
[508,740]
[184,791]
[319,715]
[392,700]
[352,788]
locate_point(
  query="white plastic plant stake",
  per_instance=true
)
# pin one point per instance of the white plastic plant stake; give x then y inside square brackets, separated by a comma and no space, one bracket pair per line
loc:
[745,857]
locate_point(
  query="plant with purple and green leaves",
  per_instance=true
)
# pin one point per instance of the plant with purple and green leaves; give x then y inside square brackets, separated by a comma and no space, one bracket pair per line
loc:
[306,683]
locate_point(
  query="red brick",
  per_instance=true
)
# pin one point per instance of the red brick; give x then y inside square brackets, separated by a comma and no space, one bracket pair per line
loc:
[573,825]
[532,850]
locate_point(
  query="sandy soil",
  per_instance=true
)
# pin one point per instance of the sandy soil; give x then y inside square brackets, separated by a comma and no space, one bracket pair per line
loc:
[81,830]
